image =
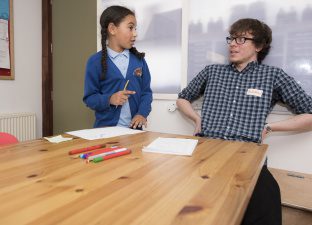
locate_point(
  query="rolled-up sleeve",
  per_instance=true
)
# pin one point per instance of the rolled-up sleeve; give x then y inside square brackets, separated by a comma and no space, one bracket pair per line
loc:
[288,91]
[196,87]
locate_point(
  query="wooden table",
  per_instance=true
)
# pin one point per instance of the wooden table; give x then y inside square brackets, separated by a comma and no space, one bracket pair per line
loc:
[41,184]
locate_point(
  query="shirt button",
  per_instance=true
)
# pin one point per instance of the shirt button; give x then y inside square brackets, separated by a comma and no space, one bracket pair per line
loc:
[231,114]
[236,87]
[234,101]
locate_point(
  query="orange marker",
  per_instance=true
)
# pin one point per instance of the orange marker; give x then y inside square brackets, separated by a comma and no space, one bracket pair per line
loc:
[87,149]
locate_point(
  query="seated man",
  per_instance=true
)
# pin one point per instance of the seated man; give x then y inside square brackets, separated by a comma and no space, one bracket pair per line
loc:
[237,99]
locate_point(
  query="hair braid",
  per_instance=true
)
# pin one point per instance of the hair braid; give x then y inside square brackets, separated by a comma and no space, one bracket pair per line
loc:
[138,54]
[104,54]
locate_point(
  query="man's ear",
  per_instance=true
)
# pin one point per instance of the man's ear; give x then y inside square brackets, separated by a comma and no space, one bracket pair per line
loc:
[258,49]
[111,28]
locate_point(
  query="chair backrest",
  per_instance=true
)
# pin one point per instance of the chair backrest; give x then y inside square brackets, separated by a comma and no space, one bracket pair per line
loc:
[6,138]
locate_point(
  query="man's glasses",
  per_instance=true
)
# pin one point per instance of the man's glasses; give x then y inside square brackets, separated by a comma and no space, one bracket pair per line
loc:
[238,40]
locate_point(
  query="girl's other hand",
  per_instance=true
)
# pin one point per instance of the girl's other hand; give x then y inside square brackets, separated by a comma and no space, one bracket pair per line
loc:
[138,121]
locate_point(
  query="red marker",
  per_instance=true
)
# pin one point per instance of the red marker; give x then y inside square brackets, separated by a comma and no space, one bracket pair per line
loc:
[87,149]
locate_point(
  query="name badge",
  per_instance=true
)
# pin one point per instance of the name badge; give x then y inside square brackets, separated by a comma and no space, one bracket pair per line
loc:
[254,92]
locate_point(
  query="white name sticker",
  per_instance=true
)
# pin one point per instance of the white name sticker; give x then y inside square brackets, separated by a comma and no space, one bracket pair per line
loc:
[254,92]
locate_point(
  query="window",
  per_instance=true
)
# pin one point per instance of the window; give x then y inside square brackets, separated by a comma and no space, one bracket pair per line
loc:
[159,36]
[180,37]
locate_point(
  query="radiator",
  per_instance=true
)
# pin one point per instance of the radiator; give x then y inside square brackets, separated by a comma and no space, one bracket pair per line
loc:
[21,125]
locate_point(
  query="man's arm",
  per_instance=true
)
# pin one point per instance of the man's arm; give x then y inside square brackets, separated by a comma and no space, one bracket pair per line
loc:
[302,122]
[186,108]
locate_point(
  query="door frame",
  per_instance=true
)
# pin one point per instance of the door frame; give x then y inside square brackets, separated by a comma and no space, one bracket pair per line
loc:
[47,72]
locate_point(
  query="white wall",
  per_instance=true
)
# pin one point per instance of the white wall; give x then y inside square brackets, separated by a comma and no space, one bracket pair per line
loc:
[24,94]
[288,151]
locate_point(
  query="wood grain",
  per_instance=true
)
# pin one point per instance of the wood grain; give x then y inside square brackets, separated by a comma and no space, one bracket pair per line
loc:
[41,184]
[296,188]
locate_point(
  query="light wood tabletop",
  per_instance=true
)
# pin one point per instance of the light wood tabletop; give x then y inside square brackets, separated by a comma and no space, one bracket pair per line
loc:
[41,184]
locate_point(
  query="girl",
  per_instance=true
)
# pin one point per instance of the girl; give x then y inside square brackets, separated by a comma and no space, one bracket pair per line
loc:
[117,80]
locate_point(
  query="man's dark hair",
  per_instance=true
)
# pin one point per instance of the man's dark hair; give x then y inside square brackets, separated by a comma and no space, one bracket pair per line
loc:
[262,34]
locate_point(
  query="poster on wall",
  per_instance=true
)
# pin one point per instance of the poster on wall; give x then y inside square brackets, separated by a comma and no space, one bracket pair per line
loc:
[6,40]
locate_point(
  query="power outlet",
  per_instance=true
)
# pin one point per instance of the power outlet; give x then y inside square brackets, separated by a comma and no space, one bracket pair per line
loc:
[172,107]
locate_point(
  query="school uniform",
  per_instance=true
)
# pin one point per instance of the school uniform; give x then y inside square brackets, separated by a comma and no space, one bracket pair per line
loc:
[97,92]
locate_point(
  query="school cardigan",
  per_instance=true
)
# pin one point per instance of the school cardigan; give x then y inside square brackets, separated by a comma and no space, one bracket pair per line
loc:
[98,92]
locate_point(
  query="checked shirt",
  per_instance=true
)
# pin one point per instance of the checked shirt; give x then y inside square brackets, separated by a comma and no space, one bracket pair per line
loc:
[236,104]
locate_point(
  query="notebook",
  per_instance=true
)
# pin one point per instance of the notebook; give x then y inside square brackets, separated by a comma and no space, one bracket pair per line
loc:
[175,146]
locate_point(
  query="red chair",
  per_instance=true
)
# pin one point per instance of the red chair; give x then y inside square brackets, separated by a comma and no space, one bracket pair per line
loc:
[6,138]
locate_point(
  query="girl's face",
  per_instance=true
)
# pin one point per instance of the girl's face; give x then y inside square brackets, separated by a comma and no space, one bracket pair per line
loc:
[123,36]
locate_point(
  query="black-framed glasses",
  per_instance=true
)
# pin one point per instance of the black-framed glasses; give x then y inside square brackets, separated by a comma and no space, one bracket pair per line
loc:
[238,40]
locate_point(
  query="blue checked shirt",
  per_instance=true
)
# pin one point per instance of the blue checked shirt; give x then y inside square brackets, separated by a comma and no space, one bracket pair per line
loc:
[236,104]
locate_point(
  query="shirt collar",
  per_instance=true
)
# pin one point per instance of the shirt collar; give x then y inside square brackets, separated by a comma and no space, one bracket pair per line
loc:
[250,66]
[113,54]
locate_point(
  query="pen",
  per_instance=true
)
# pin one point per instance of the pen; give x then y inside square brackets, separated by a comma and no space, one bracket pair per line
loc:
[125,88]
[106,153]
[76,151]
[102,158]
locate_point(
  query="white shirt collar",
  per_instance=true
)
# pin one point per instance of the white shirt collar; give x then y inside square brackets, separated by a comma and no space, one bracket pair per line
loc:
[113,54]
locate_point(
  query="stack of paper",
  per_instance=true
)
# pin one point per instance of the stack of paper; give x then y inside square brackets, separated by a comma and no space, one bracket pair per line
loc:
[176,146]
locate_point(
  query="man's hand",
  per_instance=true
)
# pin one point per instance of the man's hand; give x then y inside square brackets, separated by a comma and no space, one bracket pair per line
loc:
[120,97]
[197,126]
[264,134]
[266,130]
[186,108]
[138,121]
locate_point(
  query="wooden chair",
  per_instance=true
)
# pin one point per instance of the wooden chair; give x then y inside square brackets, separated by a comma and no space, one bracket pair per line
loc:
[6,138]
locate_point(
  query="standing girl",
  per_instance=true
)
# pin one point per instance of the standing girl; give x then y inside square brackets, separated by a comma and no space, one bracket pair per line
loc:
[117,80]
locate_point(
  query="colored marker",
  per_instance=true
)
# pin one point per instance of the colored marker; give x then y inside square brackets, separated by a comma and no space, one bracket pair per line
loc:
[87,149]
[107,153]
[98,151]
[102,158]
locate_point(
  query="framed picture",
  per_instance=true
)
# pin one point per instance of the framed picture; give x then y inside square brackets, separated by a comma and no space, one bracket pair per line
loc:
[6,40]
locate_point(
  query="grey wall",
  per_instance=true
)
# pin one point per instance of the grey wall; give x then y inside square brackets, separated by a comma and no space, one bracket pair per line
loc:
[74,40]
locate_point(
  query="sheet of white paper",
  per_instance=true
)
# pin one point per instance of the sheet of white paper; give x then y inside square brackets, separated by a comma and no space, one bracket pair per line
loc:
[106,132]
[4,45]
[57,139]
[176,146]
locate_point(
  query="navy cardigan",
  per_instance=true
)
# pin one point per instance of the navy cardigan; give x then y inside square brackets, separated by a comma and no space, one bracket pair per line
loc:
[98,92]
